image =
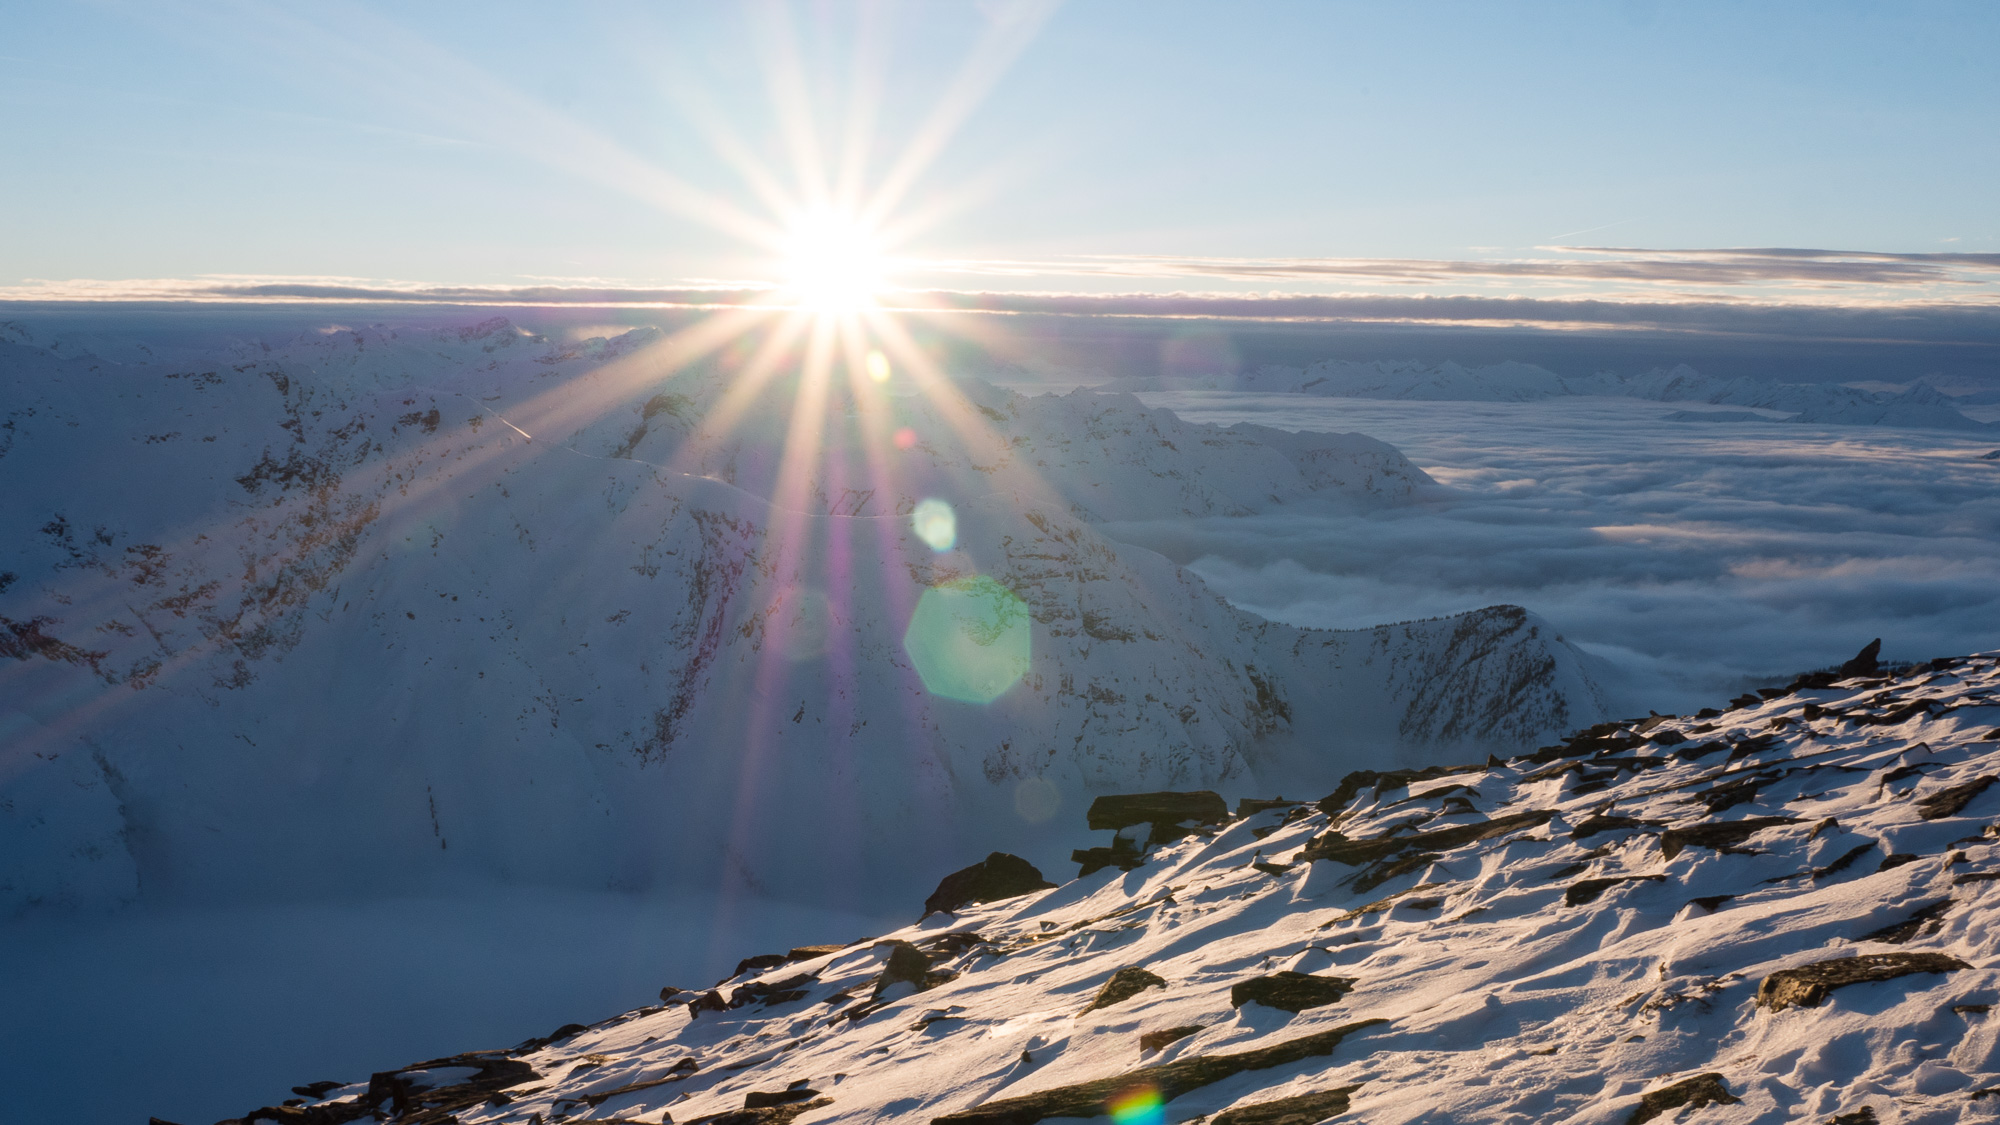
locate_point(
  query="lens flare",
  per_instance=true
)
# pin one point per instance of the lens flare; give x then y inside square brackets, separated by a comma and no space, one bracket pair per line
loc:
[936,524]
[969,640]
[1138,1106]
[878,366]
[906,438]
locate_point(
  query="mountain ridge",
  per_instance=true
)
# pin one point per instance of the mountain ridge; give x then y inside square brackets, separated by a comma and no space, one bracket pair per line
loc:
[1779,910]
[325,619]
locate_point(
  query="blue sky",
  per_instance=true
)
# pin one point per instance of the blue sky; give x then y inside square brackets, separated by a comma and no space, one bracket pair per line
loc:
[495,144]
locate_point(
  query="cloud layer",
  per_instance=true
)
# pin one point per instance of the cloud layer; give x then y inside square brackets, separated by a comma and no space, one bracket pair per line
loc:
[1697,562]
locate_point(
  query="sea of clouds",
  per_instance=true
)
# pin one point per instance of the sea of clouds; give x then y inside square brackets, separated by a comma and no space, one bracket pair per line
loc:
[1698,559]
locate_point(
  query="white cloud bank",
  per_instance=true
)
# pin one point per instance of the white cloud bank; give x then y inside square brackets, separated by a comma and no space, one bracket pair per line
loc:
[1698,560]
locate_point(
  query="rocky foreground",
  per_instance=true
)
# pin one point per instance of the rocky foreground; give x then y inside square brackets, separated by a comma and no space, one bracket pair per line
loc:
[1782,911]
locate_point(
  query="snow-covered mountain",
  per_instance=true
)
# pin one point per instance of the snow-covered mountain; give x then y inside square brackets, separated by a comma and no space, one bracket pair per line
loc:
[1779,912]
[322,617]
[1920,405]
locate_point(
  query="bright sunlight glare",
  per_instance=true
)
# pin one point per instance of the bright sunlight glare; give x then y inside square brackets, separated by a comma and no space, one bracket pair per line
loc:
[832,264]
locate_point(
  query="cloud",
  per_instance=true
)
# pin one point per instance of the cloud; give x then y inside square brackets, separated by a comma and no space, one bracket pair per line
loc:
[1701,267]
[1973,321]
[1696,563]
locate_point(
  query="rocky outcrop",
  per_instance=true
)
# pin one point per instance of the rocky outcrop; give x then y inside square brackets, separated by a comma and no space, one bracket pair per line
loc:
[998,876]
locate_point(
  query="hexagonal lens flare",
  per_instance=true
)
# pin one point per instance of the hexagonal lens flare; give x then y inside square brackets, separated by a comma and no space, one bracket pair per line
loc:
[936,524]
[969,639]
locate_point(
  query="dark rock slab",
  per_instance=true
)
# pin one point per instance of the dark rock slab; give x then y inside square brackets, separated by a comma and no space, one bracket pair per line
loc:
[1862,1116]
[1125,810]
[997,876]
[1352,785]
[1592,825]
[1688,1093]
[1864,662]
[1808,986]
[1950,801]
[1158,1040]
[763,1115]
[756,964]
[1122,854]
[908,963]
[1290,991]
[1124,984]
[1304,1109]
[1721,836]
[1590,890]
[1355,853]
[762,1099]
[808,952]
[1172,1079]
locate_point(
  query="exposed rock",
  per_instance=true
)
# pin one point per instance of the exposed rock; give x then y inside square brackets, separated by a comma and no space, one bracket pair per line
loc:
[908,963]
[1172,1079]
[1340,849]
[1864,662]
[1692,1093]
[758,1099]
[1335,803]
[1124,984]
[1588,890]
[808,952]
[997,876]
[1168,812]
[1862,1116]
[1290,991]
[1304,1109]
[1809,985]
[1721,836]
[1595,823]
[1949,802]
[756,964]
[762,1115]
[1158,1040]
[1122,854]
[316,1089]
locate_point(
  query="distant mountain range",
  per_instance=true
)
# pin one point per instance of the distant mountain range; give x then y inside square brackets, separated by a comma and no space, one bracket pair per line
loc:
[1920,405]
[320,617]
[1781,911]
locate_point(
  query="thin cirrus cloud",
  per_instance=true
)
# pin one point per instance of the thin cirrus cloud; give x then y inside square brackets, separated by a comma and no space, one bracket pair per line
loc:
[1730,267]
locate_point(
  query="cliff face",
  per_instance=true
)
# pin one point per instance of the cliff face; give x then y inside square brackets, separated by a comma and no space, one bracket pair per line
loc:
[374,610]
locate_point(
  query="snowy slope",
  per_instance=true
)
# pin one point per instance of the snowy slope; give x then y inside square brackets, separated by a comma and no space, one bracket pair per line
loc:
[322,618]
[1778,912]
[1919,405]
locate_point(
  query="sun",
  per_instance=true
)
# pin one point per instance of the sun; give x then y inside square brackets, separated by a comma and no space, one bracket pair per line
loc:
[833,263]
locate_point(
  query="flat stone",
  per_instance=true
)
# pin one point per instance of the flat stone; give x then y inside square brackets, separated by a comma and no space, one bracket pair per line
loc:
[1808,986]
[1290,991]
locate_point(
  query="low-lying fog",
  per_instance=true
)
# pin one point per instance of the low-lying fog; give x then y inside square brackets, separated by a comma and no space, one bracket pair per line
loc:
[1697,558]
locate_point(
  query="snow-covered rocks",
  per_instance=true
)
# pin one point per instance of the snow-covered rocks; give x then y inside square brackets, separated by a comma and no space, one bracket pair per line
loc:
[1505,942]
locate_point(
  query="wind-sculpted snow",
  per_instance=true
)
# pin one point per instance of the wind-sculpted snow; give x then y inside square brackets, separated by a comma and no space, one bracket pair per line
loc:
[1920,405]
[1782,911]
[381,610]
